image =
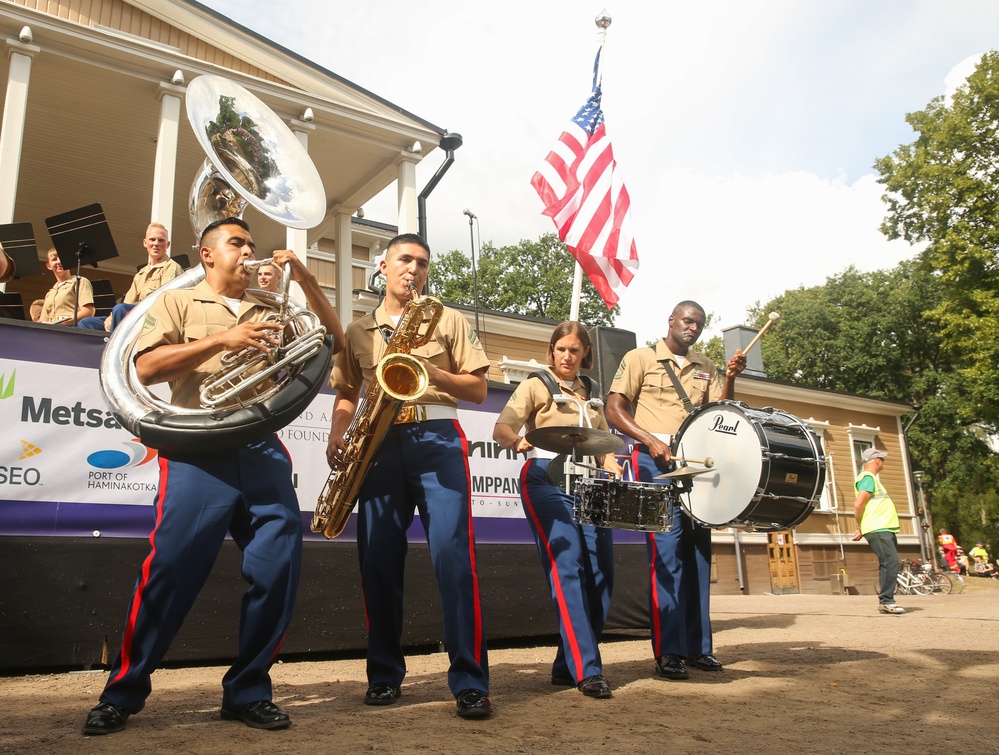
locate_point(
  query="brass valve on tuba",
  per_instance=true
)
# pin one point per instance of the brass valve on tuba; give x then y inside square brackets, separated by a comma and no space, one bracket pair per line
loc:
[399,377]
[249,375]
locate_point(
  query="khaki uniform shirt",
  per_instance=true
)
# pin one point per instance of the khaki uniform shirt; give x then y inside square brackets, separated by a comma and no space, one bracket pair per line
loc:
[642,380]
[148,279]
[60,298]
[531,407]
[453,348]
[185,315]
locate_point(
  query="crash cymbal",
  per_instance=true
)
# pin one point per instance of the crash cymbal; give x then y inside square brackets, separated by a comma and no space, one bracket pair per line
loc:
[587,441]
[683,472]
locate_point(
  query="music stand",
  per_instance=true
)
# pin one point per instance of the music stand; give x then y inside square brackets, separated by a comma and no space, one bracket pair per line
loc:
[82,237]
[18,241]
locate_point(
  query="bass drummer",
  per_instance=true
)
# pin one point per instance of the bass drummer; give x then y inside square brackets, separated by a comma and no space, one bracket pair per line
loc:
[578,560]
[653,391]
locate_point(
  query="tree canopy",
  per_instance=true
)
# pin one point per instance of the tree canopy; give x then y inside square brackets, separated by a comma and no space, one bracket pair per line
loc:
[876,334]
[943,190]
[531,278]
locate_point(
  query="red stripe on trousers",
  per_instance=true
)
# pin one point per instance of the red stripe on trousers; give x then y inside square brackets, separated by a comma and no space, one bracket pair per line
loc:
[126,643]
[556,582]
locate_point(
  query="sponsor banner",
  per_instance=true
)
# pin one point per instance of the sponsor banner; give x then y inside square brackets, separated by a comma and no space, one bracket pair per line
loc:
[67,467]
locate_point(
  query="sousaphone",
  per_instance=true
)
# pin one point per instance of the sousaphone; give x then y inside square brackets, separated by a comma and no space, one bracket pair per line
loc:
[252,158]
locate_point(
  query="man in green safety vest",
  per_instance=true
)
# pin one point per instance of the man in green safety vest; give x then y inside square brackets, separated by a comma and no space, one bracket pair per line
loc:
[878,522]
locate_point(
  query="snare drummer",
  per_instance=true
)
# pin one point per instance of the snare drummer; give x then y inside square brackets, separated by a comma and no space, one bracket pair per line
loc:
[578,560]
[681,558]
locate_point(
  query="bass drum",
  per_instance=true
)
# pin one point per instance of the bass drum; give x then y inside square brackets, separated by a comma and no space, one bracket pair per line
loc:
[768,467]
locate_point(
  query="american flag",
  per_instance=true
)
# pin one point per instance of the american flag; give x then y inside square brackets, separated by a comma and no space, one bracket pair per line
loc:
[584,194]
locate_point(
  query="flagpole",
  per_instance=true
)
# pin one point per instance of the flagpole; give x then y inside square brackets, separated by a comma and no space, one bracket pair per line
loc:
[577,292]
[602,21]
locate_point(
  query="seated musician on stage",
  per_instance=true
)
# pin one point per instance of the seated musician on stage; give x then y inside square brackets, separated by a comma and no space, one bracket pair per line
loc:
[246,492]
[269,277]
[679,599]
[154,274]
[61,301]
[578,560]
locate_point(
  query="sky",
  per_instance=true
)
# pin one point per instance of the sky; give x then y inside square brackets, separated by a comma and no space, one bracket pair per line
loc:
[745,130]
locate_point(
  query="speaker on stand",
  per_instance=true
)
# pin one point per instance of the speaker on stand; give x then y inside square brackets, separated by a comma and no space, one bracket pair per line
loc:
[609,346]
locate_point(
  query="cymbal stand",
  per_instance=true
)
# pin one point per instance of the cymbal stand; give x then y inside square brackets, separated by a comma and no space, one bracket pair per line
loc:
[578,469]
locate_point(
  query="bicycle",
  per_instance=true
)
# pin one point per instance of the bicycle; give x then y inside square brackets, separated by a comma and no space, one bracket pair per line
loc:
[944,581]
[939,582]
[914,582]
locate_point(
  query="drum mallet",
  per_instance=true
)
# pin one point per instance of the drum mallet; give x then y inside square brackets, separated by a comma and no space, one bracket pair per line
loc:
[774,317]
[708,461]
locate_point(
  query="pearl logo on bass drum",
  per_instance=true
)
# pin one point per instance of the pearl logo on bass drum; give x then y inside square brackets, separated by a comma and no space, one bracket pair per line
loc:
[720,426]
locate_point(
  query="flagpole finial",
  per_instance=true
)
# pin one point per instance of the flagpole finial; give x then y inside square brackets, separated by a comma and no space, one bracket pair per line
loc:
[602,21]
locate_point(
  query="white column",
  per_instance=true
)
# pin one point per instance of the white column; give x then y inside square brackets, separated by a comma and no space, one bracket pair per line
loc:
[407,221]
[165,167]
[344,267]
[297,239]
[12,127]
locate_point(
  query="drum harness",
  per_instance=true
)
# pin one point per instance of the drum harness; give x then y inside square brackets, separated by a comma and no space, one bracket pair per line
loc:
[563,471]
[688,405]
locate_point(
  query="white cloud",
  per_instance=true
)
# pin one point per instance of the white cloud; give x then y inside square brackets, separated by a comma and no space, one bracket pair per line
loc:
[729,242]
[959,74]
[745,131]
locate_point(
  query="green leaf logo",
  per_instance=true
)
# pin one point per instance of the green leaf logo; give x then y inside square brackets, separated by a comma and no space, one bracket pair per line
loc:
[6,391]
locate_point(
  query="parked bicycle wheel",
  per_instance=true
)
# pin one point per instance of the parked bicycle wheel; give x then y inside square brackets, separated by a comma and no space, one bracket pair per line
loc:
[940,582]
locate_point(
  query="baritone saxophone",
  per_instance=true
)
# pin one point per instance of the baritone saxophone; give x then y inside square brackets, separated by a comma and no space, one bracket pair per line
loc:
[399,377]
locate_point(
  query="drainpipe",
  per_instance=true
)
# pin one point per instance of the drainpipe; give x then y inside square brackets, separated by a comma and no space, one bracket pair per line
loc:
[449,143]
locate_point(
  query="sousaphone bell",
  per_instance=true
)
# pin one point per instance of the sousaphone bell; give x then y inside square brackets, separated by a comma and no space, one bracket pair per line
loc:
[252,158]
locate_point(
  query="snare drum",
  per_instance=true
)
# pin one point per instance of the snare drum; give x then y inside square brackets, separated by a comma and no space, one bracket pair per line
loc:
[768,467]
[623,505]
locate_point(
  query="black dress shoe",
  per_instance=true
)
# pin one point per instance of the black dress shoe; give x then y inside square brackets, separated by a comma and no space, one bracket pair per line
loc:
[262,714]
[563,681]
[595,686]
[106,718]
[381,694]
[707,662]
[671,667]
[474,703]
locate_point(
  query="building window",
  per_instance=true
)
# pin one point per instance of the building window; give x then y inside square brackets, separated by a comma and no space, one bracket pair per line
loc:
[861,438]
[819,427]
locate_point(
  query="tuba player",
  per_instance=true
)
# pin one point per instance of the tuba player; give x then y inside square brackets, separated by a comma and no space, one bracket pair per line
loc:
[246,492]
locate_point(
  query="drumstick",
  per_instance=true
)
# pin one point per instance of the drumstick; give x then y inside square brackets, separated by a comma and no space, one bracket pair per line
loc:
[774,317]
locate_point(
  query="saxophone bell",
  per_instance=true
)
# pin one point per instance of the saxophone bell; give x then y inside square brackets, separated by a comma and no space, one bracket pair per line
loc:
[398,377]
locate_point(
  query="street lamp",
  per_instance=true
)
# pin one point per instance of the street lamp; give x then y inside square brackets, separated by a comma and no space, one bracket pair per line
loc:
[475,277]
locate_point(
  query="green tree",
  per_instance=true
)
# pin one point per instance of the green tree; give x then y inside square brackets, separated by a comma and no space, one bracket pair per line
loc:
[532,278]
[943,190]
[876,334]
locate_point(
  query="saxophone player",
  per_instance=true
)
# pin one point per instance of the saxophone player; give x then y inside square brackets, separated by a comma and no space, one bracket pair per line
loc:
[421,465]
